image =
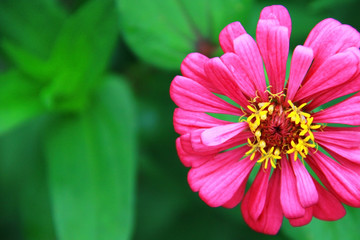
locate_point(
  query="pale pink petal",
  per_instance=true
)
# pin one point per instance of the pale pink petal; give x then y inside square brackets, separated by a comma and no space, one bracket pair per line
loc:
[345,112]
[335,71]
[297,222]
[224,80]
[343,182]
[250,62]
[289,199]
[192,96]
[193,67]
[328,208]
[217,181]
[273,42]
[305,186]
[351,86]
[278,12]
[300,63]
[218,135]
[257,194]
[328,38]
[200,148]
[189,159]
[270,220]
[345,139]
[187,121]
[228,34]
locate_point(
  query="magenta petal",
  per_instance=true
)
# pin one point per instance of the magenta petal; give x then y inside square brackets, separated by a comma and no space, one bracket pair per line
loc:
[278,12]
[224,80]
[188,159]
[250,62]
[352,154]
[342,181]
[300,63]
[297,222]
[329,208]
[345,139]
[193,67]
[305,186]
[345,112]
[239,194]
[192,96]
[328,38]
[200,148]
[289,197]
[257,194]
[186,121]
[336,70]
[217,181]
[228,34]
[220,134]
[270,220]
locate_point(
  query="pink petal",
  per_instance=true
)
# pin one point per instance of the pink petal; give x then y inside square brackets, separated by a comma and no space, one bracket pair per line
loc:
[300,63]
[328,38]
[270,220]
[257,193]
[351,154]
[273,42]
[343,182]
[224,80]
[278,12]
[305,186]
[345,112]
[335,71]
[192,96]
[228,34]
[351,86]
[289,197]
[236,199]
[193,67]
[189,159]
[297,222]
[217,181]
[328,208]
[200,148]
[187,121]
[345,139]
[218,135]
[250,62]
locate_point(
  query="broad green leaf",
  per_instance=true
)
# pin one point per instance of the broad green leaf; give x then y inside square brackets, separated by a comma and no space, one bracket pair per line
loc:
[91,158]
[164,32]
[23,183]
[31,26]
[19,100]
[345,228]
[81,53]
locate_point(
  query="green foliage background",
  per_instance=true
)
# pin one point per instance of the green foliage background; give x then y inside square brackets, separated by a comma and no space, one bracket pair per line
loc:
[87,147]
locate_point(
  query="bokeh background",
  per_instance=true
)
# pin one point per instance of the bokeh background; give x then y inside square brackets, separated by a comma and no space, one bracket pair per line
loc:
[87,147]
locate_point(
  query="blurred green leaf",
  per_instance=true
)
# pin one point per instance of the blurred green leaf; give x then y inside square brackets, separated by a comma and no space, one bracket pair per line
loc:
[23,182]
[91,159]
[164,32]
[32,26]
[345,228]
[19,100]
[81,53]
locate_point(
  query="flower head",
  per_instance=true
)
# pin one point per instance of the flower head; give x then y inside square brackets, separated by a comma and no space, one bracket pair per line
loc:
[280,132]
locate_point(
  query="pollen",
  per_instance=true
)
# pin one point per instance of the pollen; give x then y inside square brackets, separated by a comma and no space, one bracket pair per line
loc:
[279,128]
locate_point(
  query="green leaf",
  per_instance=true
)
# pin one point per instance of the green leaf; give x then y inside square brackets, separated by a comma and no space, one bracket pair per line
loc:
[345,228]
[164,32]
[81,54]
[91,158]
[19,100]
[31,26]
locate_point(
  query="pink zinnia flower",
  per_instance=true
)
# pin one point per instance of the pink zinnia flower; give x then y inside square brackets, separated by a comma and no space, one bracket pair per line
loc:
[279,132]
